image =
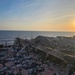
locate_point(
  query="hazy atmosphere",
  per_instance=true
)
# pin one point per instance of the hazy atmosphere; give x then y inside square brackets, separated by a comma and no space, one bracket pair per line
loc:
[37,15]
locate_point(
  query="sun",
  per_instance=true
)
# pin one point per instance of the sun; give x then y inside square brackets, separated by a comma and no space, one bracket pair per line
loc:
[74,23]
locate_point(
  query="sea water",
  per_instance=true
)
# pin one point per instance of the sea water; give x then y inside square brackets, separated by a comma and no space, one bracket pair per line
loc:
[9,36]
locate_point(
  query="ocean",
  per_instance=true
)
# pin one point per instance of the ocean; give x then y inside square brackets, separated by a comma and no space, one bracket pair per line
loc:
[9,36]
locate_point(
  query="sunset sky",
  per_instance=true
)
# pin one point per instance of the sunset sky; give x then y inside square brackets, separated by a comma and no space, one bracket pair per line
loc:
[37,15]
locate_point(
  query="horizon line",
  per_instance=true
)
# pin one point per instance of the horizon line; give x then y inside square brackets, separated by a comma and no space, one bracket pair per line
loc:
[38,30]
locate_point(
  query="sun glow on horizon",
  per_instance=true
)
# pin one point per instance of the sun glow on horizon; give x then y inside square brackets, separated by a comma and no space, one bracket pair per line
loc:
[74,23]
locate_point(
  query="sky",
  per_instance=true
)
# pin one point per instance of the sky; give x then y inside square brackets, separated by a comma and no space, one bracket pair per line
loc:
[37,15]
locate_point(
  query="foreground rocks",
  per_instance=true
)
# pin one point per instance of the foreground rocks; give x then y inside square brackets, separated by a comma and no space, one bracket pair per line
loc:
[41,55]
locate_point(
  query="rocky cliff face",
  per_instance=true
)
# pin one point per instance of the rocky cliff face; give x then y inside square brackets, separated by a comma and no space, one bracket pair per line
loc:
[59,43]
